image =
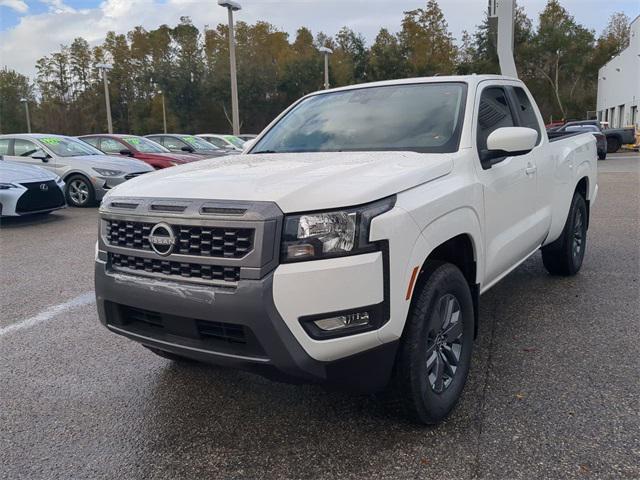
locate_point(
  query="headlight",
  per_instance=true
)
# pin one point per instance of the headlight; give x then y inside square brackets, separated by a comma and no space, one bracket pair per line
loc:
[105,172]
[313,236]
[7,186]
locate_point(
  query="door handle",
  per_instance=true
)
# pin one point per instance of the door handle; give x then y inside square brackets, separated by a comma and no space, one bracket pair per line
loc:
[531,169]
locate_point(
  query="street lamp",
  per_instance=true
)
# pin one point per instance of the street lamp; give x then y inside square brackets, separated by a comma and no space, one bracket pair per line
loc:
[164,112]
[26,111]
[326,51]
[104,67]
[231,7]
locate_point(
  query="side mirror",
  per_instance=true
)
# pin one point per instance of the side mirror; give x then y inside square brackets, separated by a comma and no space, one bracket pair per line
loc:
[229,147]
[507,142]
[187,149]
[41,155]
[126,151]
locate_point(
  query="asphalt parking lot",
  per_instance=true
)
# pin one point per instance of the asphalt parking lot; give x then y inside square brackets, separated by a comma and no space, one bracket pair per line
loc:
[554,389]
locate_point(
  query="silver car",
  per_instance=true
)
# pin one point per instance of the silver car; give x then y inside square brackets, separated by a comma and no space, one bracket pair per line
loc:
[86,171]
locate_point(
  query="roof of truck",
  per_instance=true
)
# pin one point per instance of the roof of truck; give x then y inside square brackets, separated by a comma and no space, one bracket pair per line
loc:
[470,79]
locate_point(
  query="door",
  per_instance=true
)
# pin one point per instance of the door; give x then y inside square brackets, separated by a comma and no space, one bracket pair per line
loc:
[22,151]
[509,189]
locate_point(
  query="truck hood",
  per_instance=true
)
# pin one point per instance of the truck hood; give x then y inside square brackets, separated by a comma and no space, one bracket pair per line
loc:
[19,173]
[295,181]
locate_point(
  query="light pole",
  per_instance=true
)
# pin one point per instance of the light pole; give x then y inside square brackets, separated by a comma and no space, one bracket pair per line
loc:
[326,52]
[26,111]
[104,67]
[164,112]
[231,7]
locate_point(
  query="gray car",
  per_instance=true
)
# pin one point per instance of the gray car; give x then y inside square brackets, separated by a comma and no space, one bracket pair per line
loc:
[86,171]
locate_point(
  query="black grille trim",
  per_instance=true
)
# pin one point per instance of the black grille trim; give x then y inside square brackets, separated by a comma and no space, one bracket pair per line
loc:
[36,200]
[203,241]
[171,269]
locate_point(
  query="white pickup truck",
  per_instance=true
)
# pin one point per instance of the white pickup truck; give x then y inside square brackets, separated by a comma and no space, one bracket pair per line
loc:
[351,244]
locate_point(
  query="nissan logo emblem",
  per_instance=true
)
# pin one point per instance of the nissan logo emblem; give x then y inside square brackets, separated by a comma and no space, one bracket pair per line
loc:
[44,187]
[162,239]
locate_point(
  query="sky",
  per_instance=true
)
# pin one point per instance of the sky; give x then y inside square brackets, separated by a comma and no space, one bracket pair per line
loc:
[30,29]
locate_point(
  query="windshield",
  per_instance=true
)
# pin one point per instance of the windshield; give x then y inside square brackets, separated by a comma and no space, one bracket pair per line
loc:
[198,143]
[145,145]
[424,117]
[68,147]
[238,142]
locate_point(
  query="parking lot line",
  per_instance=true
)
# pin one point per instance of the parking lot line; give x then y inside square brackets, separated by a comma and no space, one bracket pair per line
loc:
[50,313]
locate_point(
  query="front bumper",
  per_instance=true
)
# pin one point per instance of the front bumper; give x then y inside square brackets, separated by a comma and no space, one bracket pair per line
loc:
[249,331]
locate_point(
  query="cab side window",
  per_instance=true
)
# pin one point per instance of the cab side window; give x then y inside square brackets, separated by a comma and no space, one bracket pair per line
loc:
[23,148]
[526,111]
[494,112]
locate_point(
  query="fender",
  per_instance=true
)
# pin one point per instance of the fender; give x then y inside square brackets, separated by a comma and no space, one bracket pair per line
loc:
[461,221]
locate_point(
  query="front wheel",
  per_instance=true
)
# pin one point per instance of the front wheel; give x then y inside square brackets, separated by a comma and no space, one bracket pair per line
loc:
[435,351]
[602,155]
[565,255]
[79,191]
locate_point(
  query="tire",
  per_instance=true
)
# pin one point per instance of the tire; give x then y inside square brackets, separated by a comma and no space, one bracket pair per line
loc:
[602,155]
[613,144]
[564,256]
[79,191]
[169,356]
[431,367]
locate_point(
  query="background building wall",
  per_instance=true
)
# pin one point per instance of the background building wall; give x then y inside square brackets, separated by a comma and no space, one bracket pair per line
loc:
[619,85]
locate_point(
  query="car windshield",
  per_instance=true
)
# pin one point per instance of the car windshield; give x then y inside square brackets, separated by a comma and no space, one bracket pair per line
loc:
[198,143]
[68,147]
[238,142]
[425,117]
[582,128]
[145,145]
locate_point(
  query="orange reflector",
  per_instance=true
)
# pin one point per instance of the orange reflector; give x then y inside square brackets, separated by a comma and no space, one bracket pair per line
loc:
[412,282]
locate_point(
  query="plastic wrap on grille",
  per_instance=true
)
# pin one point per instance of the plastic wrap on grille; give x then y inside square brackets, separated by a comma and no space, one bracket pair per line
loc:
[175,269]
[190,240]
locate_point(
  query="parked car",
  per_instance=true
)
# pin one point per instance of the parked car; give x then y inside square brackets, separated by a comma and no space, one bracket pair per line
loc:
[352,243]
[230,142]
[188,143]
[247,136]
[87,172]
[140,148]
[26,189]
[601,139]
[616,137]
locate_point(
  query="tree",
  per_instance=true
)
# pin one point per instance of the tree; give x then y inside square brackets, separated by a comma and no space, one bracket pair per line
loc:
[13,87]
[426,39]
[386,58]
[562,49]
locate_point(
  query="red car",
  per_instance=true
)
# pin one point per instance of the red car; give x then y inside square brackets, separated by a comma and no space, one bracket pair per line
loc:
[140,148]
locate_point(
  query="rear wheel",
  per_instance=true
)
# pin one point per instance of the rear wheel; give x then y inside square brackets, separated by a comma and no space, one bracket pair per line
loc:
[79,191]
[565,255]
[613,145]
[435,351]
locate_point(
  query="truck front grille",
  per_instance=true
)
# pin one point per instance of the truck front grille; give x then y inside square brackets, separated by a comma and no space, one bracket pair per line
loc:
[174,269]
[214,242]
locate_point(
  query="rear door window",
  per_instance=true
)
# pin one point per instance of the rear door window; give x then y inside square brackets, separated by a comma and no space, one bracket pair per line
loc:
[4,146]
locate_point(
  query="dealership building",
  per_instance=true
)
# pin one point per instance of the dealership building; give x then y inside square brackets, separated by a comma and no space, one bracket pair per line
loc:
[619,85]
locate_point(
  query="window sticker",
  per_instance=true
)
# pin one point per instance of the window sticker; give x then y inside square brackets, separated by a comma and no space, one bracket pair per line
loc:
[50,141]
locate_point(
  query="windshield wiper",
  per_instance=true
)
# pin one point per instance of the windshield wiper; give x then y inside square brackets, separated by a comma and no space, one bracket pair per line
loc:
[265,151]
